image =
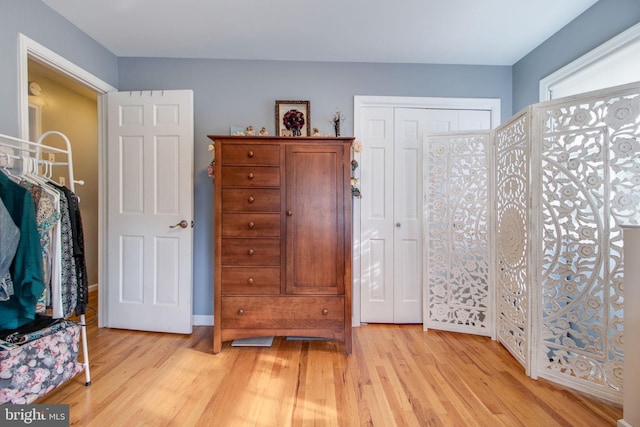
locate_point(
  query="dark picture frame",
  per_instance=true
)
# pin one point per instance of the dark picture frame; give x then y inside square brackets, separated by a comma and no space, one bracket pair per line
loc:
[293,118]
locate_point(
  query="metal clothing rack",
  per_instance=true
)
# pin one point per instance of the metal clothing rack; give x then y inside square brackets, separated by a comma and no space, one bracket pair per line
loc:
[24,151]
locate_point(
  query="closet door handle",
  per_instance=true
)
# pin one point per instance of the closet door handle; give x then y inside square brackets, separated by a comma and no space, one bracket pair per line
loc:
[182,224]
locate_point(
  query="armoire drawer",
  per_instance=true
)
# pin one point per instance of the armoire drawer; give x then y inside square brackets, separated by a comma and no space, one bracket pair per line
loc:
[250,225]
[250,280]
[265,252]
[250,176]
[250,154]
[251,200]
[291,312]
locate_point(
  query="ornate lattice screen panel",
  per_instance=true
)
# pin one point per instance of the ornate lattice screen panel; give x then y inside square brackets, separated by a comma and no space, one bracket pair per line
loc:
[456,246]
[589,155]
[512,145]
[567,179]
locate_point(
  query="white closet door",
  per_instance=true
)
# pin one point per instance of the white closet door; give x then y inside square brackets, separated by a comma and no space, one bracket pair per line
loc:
[391,207]
[410,124]
[474,120]
[377,215]
[150,209]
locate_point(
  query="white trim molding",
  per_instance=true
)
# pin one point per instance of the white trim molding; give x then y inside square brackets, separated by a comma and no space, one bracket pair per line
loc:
[30,49]
[622,40]
[201,320]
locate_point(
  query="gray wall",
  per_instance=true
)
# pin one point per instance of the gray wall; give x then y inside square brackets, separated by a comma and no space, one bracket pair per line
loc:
[601,22]
[240,93]
[38,22]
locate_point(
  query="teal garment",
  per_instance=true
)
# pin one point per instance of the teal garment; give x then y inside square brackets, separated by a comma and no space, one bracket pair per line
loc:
[26,268]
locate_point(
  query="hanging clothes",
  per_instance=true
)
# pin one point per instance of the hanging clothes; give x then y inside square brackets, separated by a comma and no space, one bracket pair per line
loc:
[9,238]
[39,214]
[78,297]
[47,217]
[26,267]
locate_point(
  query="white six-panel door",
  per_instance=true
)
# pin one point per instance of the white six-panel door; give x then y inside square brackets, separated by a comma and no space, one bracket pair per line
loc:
[150,210]
[391,207]
[409,125]
[377,215]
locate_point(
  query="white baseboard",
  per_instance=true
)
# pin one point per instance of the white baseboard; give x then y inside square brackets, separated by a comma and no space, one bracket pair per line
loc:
[201,320]
[93,287]
[623,423]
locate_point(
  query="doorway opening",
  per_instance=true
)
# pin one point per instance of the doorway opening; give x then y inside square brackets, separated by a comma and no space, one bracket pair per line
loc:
[69,101]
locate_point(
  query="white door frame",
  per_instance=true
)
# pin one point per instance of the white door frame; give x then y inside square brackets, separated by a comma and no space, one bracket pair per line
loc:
[360,102]
[28,48]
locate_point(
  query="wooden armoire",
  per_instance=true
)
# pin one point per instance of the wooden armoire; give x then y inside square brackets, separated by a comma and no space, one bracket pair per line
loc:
[282,238]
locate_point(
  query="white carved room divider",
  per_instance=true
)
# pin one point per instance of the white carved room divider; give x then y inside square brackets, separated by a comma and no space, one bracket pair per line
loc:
[512,144]
[567,178]
[457,218]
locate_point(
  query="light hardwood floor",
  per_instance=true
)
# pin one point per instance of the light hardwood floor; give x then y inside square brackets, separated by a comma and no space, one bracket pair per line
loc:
[396,376]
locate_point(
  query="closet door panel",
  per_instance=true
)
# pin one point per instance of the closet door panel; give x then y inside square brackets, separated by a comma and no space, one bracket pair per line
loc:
[131,274]
[410,125]
[377,225]
[166,149]
[130,178]
[166,271]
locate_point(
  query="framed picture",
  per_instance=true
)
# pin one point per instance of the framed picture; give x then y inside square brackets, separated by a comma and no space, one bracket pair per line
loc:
[293,118]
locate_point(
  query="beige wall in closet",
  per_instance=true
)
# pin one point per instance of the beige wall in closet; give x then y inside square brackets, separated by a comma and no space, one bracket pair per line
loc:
[72,109]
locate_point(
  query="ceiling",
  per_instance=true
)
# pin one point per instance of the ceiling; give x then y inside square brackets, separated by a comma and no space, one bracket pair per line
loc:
[487,32]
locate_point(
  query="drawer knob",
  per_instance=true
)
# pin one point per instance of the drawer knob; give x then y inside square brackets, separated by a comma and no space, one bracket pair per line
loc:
[251,199]
[325,311]
[289,212]
[240,312]
[251,175]
[250,251]
[250,280]
[251,224]
[250,153]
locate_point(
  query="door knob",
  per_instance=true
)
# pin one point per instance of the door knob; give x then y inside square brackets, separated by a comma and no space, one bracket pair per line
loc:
[398,224]
[182,224]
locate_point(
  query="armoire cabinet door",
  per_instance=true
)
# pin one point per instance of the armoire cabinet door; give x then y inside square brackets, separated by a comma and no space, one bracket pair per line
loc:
[315,222]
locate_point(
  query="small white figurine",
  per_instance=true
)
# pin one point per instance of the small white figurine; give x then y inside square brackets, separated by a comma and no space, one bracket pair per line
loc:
[250,131]
[263,131]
